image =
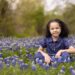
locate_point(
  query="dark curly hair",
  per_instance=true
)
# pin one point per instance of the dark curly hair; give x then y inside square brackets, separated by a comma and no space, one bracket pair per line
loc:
[64,28]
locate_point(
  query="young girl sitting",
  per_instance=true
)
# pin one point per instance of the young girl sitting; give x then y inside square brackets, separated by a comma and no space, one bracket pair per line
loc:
[54,41]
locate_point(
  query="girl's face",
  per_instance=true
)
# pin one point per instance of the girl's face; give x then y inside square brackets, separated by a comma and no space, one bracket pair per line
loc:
[55,29]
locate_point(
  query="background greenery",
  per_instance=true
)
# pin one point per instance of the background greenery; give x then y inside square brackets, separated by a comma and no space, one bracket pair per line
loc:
[30,18]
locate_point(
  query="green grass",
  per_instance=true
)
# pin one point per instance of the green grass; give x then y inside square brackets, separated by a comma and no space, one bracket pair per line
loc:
[39,71]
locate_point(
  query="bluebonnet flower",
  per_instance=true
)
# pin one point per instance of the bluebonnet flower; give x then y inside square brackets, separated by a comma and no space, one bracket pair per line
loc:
[33,67]
[23,66]
[65,54]
[65,57]
[72,70]
[1,64]
[43,65]
[0,48]
[47,66]
[40,62]
[7,65]
[1,55]
[37,60]
[10,58]
[60,60]
[6,60]
[54,64]
[53,59]
[63,68]
[68,59]
[13,62]
[62,71]
[20,61]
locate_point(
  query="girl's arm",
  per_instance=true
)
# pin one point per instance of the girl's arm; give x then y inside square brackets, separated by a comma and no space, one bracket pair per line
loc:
[41,50]
[46,56]
[70,50]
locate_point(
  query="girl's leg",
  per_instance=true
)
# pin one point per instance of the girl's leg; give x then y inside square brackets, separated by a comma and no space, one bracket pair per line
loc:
[38,55]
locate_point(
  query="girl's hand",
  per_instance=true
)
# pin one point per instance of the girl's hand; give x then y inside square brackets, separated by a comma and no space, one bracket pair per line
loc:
[47,58]
[58,54]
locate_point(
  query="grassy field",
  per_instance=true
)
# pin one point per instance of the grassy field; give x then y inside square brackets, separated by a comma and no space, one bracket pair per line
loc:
[15,70]
[16,57]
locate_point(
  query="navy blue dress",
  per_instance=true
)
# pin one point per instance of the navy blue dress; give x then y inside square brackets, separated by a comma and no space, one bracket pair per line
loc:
[53,47]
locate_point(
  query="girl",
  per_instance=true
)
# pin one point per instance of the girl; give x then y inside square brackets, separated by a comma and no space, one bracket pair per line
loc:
[54,41]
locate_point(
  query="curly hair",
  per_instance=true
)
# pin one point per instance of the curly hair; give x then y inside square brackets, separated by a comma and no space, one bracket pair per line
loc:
[64,28]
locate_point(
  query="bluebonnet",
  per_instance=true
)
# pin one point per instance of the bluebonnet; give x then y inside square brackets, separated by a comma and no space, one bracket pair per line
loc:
[30,56]
[6,60]
[37,60]
[23,66]
[65,54]
[72,70]
[0,48]
[65,57]
[63,68]
[33,66]
[1,64]
[62,71]
[7,65]
[38,55]
[60,60]
[20,61]
[13,62]
[40,62]
[45,66]
[54,64]
[53,59]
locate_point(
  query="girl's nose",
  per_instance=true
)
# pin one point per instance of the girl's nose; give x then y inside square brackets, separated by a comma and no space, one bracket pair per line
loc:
[55,30]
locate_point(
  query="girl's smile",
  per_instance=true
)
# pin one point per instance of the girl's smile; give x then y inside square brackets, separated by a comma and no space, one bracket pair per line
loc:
[55,29]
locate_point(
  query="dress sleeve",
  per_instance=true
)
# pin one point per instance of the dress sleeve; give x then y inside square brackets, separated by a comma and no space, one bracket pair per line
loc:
[43,43]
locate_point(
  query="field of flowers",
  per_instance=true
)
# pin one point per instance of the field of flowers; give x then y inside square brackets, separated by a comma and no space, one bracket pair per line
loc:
[16,58]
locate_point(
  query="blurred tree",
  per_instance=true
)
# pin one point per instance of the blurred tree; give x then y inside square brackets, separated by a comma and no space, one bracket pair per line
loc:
[6,20]
[30,17]
[69,17]
[40,20]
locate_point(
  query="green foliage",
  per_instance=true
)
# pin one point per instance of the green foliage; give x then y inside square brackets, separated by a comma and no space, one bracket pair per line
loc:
[30,19]
[69,17]
[6,19]
[40,20]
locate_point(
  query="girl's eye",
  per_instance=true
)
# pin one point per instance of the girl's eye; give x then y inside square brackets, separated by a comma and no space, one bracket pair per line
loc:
[57,28]
[54,28]
[51,28]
